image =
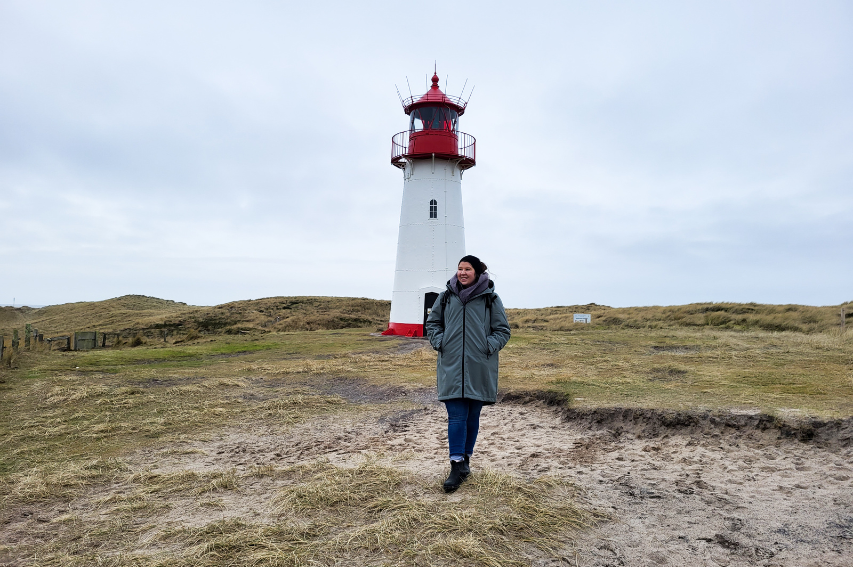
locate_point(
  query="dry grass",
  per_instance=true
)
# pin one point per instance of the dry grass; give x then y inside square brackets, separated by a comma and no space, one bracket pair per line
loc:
[109,315]
[375,514]
[71,423]
[371,514]
[78,421]
[398,518]
[61,479]
[740,316]
[149,317]
[687,369]
[679,368]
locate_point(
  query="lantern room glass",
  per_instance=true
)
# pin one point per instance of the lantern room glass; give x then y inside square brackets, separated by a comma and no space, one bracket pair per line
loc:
[434,118]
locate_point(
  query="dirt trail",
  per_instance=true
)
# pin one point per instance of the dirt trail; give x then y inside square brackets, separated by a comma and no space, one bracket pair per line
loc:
[695,497]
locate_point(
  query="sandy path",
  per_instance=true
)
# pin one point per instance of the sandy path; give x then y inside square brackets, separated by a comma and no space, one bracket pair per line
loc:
[675,499]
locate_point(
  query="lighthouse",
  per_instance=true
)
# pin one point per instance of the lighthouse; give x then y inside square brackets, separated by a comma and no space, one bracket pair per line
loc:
[432,155]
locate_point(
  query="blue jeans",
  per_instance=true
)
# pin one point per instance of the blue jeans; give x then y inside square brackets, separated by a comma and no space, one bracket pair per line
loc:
[463,424]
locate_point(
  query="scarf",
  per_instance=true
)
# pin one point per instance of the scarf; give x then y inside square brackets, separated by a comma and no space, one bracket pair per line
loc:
[466,293]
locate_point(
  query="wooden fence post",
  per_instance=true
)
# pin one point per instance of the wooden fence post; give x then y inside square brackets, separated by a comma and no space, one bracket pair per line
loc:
[843,322]
[15,339]
[2,346]
[28,331]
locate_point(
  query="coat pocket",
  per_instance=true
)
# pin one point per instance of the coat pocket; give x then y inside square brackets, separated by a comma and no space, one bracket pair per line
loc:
[482,345]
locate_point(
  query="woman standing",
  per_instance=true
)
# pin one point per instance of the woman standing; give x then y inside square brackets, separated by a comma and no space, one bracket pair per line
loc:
[467,326]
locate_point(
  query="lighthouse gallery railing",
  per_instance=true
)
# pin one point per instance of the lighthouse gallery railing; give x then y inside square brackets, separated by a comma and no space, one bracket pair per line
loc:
[466,147]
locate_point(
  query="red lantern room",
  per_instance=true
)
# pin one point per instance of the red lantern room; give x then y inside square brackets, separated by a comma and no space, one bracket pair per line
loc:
[434,130]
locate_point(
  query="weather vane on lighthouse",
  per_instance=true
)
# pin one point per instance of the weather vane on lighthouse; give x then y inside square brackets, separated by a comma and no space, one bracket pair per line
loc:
[432,154]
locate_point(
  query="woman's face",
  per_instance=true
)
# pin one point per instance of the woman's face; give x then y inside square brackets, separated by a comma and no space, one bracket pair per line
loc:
[465,274]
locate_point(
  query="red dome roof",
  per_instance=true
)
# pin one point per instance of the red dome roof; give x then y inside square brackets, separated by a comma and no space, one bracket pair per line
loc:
[434,96]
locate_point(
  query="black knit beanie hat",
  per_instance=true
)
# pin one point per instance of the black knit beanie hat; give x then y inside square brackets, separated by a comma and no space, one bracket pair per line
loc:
[475,262]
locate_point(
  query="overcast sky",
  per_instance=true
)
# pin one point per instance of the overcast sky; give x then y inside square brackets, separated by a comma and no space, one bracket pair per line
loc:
[628,153]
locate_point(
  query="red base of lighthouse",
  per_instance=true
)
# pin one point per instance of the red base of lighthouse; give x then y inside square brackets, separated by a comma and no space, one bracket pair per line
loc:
[404,330]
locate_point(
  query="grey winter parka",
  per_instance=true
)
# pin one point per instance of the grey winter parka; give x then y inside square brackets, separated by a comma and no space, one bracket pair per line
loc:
[468,342]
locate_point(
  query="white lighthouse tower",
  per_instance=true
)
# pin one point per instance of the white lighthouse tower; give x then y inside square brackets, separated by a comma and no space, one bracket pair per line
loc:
[432,154]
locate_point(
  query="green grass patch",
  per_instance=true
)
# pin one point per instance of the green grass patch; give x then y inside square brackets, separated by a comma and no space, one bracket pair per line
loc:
[685,368]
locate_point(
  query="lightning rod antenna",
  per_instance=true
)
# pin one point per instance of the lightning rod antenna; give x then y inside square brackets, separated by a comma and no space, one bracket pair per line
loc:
[410,87]
[399,95]
[463,89]
[469,94]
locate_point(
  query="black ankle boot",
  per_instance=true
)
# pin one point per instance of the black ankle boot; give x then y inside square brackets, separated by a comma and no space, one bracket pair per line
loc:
[466,470]
[455,478]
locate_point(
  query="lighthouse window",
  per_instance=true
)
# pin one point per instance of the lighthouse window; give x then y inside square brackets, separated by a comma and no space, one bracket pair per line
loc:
[434,118]
[433,209]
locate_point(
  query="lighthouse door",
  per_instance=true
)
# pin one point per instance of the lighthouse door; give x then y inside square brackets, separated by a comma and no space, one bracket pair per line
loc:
[429,301]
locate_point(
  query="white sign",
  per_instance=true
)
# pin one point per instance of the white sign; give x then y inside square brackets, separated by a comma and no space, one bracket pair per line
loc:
[583,318]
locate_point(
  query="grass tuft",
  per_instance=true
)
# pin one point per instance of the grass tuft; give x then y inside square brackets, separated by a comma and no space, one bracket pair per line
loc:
[377,514]
[185,481]
[405,519]
[59,480]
